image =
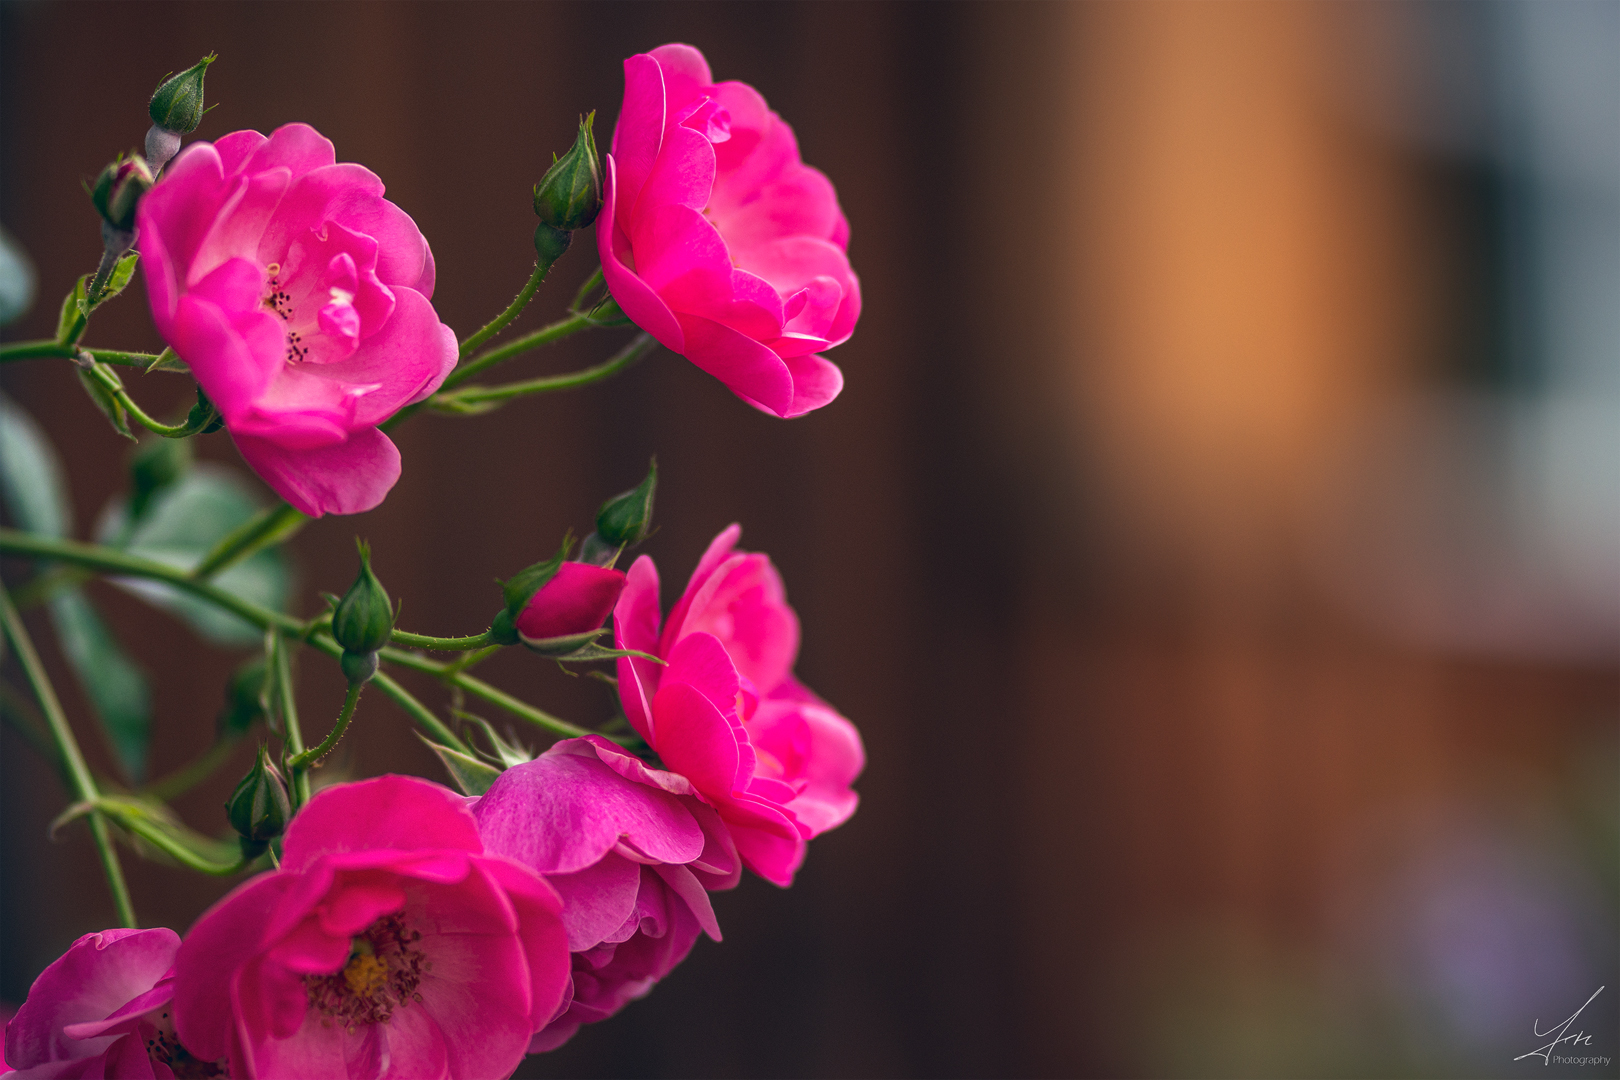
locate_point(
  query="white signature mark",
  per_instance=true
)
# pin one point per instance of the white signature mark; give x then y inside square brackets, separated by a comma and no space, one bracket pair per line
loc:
[1559,1033]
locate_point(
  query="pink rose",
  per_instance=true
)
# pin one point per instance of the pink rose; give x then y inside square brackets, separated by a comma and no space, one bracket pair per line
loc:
[102,1009]
[726,712]
[387,945]
[299,297]
[578,600]
[631,850]
[717,240]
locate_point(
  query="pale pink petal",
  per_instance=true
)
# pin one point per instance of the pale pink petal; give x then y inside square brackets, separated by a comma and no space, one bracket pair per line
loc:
[597,900]
[240,221]
[236,148]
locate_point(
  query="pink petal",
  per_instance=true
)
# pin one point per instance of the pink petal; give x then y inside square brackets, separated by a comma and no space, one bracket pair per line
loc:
[543,939]
[684,884]
[637,136]
[749,369]
[232,370]
[331,192]
[409,355]
[348,478]
[298,147]
[638,300]
[236,148]
[578,599]
[221,942]
[240,222]
[685,71]
[402,812]
[597,900]
[816,381]
[681,175]
[403,257]
[635,626]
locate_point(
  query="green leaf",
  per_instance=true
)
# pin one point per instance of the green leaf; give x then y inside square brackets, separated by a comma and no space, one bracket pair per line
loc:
[159,835]
[70,308]
[168,361]
[471,776]
[180,525]
[31,477]
[116,687]
[17,279]
[119,279]
[109,405]
[505,753]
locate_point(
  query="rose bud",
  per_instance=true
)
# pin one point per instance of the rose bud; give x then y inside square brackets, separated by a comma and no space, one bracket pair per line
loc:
[569,196]
[363,622]
[176,109]
[118,190]
[577,600]
[258,808]
[625,520]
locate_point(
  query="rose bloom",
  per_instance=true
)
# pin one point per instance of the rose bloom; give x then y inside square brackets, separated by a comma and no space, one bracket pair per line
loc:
[102,1009]
[387,945]
[633,853]
[726,712]
[718,241]
[298,295]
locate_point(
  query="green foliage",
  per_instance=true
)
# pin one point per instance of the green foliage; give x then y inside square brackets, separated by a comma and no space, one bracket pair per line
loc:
[182,523]
[17,279]
[470,775]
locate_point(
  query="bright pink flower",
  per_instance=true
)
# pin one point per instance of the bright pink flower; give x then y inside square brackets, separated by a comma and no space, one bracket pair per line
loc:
[387,945]
[717,240]
[631,850]
[579,599]
[299,297]
[102,1009]
[726,712]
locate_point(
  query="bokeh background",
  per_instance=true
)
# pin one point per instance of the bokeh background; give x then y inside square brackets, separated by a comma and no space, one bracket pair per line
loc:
[1217,540]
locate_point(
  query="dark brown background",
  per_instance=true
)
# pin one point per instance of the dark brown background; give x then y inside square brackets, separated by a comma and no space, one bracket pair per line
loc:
[1140,789]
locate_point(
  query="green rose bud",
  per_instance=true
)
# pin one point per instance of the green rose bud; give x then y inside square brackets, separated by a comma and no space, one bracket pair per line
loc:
[627,519]
[258,808]
[177,103]
[364,618]
[569,196]
[118,190]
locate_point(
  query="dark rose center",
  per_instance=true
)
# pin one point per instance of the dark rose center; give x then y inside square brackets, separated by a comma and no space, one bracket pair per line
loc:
[385,967]
[164,1048]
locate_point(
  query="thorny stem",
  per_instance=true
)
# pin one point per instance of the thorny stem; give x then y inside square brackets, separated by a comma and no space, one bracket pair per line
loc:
[640,346]
[300,762]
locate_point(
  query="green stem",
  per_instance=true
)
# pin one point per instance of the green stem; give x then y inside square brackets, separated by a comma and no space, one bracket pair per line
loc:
[269,526]
[109,561]
[513,310]
[115,387]
[293,734]
[640,346]
[308,757]
[558,330]
[586,289]
[441,644]
[417,711]
[141,826]
[54,350]
[189,776]
[84,785]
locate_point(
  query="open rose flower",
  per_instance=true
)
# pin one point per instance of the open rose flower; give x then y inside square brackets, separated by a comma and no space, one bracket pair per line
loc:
[726,712]
[387,945]
[632,852]
[102,1009]
[298,295]
[717,240]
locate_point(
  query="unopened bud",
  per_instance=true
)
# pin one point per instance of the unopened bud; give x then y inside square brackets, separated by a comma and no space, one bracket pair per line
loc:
[577,600]
[569,196]
[364,618]
[627,519]
[118,190]
[259,809]
[177,103]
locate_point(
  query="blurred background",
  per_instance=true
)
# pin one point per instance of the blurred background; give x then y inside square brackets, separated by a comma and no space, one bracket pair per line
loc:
[1217,541]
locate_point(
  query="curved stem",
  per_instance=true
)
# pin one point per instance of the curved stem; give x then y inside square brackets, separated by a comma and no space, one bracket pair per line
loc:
[441,644]
[308,757]
[115,387]
[640,346]
[84,785]
[544,336]
[513,310]
[298,787]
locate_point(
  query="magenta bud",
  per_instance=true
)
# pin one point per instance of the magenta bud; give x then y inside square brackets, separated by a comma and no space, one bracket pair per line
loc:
[577,600]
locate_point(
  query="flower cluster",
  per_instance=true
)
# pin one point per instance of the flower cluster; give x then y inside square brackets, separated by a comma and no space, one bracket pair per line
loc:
[400,928]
